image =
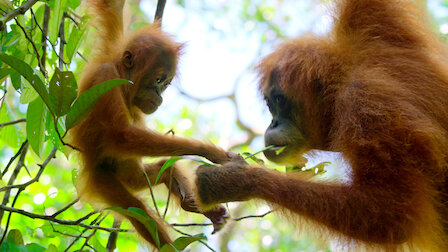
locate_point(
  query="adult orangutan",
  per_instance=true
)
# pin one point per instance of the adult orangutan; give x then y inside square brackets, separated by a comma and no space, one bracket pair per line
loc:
[113,137]
[376,90]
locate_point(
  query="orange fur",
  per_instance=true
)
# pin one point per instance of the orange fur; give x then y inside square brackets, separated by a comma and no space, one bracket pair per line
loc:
[113,137]
[376,90]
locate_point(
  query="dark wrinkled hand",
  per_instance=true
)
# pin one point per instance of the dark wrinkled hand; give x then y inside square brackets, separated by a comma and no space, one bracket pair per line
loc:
[233,181]
[228,157]
[218,216]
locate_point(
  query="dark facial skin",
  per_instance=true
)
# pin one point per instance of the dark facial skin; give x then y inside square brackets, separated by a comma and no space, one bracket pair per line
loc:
[151,85]
[149,96]
[283,131]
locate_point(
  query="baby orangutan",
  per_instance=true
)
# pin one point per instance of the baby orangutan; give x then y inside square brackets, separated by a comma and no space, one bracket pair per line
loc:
[113,138]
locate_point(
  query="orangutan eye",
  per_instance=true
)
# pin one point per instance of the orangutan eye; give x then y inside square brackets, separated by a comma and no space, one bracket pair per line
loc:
[279,100]
[165,85]
[161,79]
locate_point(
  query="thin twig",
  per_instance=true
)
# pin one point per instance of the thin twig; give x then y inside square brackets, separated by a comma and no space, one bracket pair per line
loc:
[14,13]
[209,224]
[35,20]
[56,53]
[96,222]
[81,235]
[36,178]
[201,241]
[86,242]
[191,224]
[14,157]
[152,193]
[253,216]
[41,68]
[14,175]
[61,138]
[258,152]
[44,34]
[169,192]
[65,208]
[61,44]
[82,57]
[9,217]
[59,221]
[76,22]
[12,122]
[112,241]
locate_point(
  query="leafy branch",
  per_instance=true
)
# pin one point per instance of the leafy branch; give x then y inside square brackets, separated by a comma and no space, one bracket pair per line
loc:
[14,13]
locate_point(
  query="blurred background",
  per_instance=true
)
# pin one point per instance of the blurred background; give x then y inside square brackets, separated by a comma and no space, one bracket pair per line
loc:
[214,98]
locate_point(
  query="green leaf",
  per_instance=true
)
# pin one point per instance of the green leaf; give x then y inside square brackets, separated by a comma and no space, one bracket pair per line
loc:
[51,133]
[48,231]
[10,246]
[5,5]
[140,216]
[11,135]
[257,160]
[31,231]
[34,247]
[166,165]
[29,94]
[62,91]
[320,167]
[35,125]
[15,236]
[181,3]
[199,160]
[16,79]
[74,4]
[51,230]
[182,242]
[256,153]
[52,248]
[97,244]
[55,20]
[168,248]
[278,152]
[73,42]
[86,101]
[4,72]
[30,75]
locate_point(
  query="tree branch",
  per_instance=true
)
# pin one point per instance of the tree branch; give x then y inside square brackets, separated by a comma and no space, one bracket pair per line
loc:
[14,157]
[112,241]
[14,13]
[59,221]
[12,122]
[62,43]
[41,68]
[9,217]
[159,11]
[36,178]
[209,224]
[44,34]
[201,241]
[20,164]
[65,208]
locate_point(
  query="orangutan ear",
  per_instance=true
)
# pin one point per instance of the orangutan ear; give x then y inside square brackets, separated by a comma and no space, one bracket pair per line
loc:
[128,59]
